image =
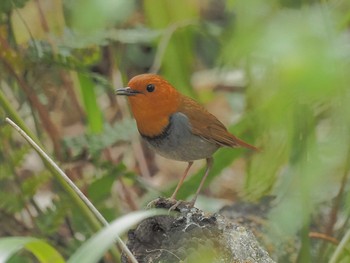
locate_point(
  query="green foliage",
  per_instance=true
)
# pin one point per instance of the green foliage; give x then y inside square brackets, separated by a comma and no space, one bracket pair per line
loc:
[95,247]
[94,143]
[51,219]
[31,185]
[99,191]
[76,57]
[294,54]
[42,250]
[14,191]
[297,64]
[104,13]
[178,56]
[7,6]
[93,112]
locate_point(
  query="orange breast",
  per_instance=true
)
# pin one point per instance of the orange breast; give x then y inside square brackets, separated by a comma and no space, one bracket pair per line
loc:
[152,115]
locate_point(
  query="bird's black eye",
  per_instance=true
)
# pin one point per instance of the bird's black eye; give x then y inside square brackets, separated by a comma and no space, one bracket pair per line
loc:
[150,87]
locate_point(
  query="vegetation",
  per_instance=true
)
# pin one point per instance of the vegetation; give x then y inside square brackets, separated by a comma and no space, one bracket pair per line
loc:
[60,62]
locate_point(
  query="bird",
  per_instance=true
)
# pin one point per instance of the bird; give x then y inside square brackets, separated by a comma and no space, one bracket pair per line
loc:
[176,126]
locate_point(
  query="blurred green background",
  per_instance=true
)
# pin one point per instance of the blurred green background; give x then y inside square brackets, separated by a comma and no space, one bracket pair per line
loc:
[276,72]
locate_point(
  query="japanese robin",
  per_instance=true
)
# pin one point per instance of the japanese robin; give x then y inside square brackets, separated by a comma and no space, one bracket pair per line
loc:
[175,126]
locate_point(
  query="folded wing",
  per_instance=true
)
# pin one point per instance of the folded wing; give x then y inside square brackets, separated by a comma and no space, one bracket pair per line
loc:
[207,126]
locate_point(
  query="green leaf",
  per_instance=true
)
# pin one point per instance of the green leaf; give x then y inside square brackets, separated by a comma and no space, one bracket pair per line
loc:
[179,54]
[39,248]
[51,219]
[32,184]
[100,189]
[92,109]
[296,62]
[122,131]
[92,250]
[94,15]
[7,6]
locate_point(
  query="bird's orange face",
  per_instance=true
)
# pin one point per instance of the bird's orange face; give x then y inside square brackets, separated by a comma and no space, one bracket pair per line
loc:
[152,100]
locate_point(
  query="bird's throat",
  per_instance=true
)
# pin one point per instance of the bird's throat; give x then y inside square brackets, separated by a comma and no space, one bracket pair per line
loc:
[150,123]
[152,127]
[152,115]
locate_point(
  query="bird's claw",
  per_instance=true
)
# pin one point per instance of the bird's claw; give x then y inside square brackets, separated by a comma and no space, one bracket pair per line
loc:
[170,203]
[173,207]
[161,202]
[181,204]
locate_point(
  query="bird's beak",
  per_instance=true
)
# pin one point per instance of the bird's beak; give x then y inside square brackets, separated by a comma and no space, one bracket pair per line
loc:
[126,91]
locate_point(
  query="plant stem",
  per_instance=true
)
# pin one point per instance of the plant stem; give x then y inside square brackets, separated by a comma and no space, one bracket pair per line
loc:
[338,251]
[89,210]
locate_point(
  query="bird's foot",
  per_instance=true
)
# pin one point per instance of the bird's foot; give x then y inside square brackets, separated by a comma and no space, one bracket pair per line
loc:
[161,202]
[175,206]
[170,203]
[180,205]
[153,203]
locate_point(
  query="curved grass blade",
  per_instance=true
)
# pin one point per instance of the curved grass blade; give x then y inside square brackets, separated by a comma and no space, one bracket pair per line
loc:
[92,250]
[39,248]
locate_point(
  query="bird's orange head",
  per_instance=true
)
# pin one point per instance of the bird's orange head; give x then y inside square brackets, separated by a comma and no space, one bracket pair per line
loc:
[152,100]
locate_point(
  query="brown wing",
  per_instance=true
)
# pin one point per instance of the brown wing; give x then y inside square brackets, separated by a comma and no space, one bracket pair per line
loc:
[207,126]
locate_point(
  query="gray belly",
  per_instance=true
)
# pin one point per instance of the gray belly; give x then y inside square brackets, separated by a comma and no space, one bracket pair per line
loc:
[177,141]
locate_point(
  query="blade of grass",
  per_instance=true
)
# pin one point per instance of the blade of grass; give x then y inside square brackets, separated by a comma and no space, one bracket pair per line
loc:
[59,170]
[94,223]
[340,248]
[81,200]
[164,42]
[42,250]
[7,106]
[176,43]
[92,250]
[92,109]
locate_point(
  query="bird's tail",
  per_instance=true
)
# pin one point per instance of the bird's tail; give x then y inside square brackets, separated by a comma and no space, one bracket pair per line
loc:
[240,143]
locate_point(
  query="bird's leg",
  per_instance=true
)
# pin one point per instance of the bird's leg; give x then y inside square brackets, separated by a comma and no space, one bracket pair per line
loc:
[209,165]
[173,196]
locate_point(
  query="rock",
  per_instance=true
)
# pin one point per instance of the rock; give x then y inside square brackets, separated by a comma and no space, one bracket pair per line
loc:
[188,234]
